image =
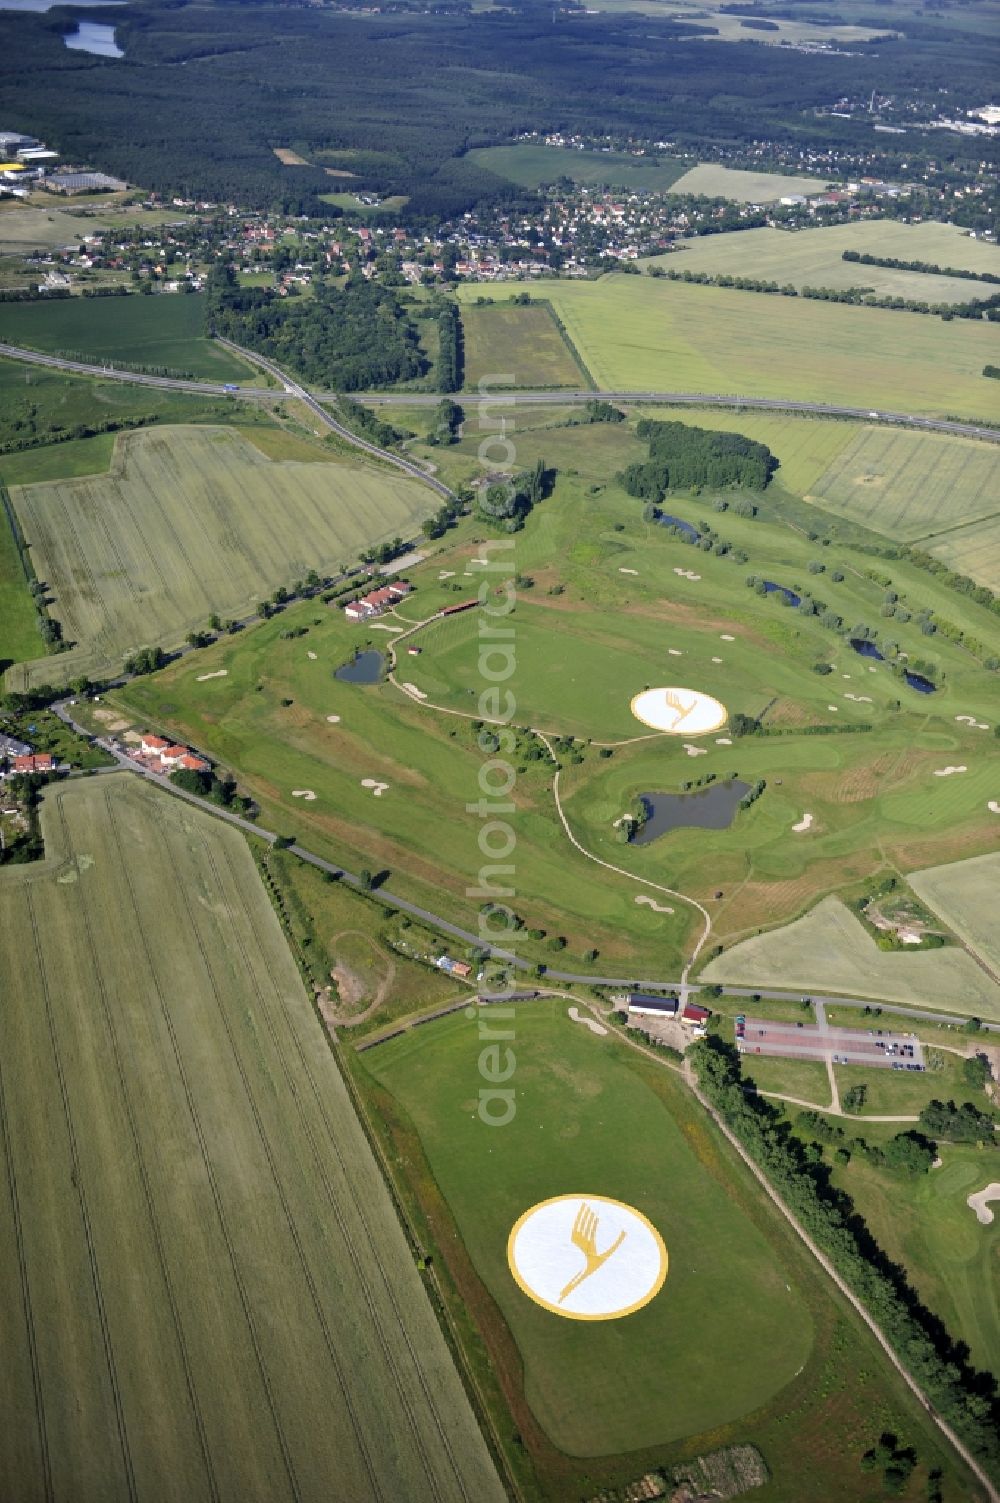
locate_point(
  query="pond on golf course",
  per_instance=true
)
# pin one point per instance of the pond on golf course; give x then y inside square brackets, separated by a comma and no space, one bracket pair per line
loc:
[712,808]
[866,649]
[363,668]
[770,588]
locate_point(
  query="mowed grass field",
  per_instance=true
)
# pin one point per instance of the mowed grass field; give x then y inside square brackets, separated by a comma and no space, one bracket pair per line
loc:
[813,258]
[637,334]
[168,331]
[701,1364]
[192,520]
[210,1296]
[516,346]
[965,894]
[925,1225]
[530,164]
[830,947]
[710,180]
[580,657]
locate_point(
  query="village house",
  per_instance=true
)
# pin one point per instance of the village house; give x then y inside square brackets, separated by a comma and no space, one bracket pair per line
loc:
[376,602]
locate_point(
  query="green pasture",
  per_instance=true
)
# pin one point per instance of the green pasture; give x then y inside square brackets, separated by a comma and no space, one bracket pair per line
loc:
[515,346]
[531,164]
[925,1225]
[167,330]
[813,258]
[710,180]
[702,1353]
[353,207]
[892,1092]
[182,1169]
[597,1389]
[805,1079]
[25,227]
[191,521]
[964,895]
[830,943]
[634,333]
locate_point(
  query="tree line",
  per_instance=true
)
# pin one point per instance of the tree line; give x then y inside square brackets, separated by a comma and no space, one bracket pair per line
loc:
[682,456]
[893,263]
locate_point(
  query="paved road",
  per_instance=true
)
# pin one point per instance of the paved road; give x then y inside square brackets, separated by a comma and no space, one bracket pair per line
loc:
[291,388]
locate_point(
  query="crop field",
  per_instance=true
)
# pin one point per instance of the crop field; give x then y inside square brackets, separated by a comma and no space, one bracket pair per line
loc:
[812,258]
[184,1177]
[514,346]
[166,331]
[712,181]
[702,1355]
[911,486]
[972,549]
[717,24]
[964,894]
[531,164]
[925,1225]
[193,520]
[636,334]
[832,944]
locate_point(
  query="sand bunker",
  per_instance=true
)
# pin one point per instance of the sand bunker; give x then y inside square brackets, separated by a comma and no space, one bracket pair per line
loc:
[675,652]
[333,719]
[980,1202]
[305,793]
[383,626]
[376,787]
[628,571]
[311,656]
[219,673]
[805,823]
[834,710]
[132,737]
[859,699]
[446,574]
[412,689]
[723,741]
[994,806]
[979,725]
[679,712]
[686,574]
[946,772]
[725,637]
[644,899]
[716,660]
[696,751]
[599,1028]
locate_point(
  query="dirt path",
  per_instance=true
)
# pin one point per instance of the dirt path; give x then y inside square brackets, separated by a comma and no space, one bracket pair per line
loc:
[330,1012]
[831,1111]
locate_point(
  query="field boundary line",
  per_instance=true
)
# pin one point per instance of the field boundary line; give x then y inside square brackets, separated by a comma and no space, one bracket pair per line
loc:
[81,1196]
[29,1321]
[335,1201]
[216,1196]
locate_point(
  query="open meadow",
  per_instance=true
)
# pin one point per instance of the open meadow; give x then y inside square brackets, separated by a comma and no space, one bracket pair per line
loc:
[195,520]
[830,947]
[597,1403]
[523,345]
[638,334]
[183,1175]
[165,331]
[606,609]
[712,180]
[965,896]
[813,258]
[531,164]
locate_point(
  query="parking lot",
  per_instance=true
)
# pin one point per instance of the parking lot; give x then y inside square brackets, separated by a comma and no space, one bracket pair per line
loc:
[845,1046]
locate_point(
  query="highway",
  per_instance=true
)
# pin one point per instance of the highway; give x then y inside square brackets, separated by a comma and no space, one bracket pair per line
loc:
[314,401]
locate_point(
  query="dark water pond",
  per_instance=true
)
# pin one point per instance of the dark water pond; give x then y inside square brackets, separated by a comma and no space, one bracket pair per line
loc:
[39,6]
[667,521]
[866,649]
[770,588]
[921,684]
[711,808]
[366,668]
[91,36]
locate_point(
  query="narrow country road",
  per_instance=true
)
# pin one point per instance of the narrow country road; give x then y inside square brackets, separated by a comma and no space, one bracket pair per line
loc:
[570,398]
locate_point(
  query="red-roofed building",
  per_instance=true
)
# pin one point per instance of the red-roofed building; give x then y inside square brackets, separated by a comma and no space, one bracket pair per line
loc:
[695,1014]
[192,764]
[376,602]
[35,762]
[153,746]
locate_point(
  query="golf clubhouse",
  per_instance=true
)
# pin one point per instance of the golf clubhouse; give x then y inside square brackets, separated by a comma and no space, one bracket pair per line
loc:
[644,1004]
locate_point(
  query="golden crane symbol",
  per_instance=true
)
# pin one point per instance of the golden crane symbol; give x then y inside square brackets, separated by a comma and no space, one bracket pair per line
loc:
[584,1236]
[681,710]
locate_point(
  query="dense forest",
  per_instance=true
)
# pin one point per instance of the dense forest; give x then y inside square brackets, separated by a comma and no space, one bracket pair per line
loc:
[347,338]
[682,457]
[399,99]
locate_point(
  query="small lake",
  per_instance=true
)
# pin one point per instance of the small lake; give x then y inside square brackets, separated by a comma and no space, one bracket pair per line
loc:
[366,668]
[770,588]
[712,808]
[688,530]
[866,649]
[921,684]
[91,36]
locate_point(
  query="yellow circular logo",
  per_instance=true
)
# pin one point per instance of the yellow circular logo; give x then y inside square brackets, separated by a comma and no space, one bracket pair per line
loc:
[587,1257]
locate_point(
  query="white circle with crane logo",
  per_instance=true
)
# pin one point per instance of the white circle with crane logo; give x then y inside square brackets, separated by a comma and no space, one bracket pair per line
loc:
[587,1257]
